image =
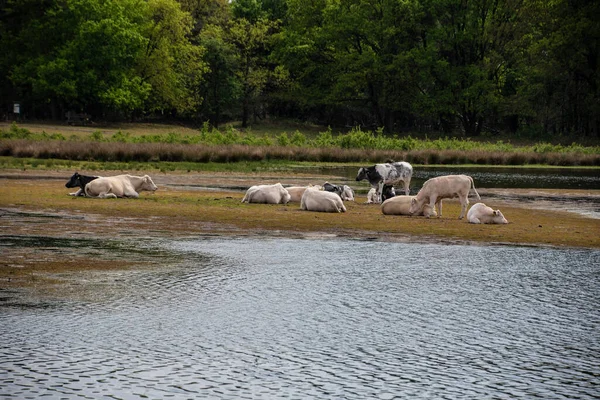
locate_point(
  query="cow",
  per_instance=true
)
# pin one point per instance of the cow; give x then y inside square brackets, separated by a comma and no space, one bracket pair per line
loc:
[296,192]
[79,181]
[388,193]
[400,205]
[344,191]
[119,186]
[379,175]
[372,196]
[444,187]
[322,201]
[267,194]
[482,214]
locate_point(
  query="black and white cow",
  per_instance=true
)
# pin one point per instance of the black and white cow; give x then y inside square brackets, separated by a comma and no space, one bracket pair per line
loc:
[344,191]
[387,193]
[380,175]
[79,181]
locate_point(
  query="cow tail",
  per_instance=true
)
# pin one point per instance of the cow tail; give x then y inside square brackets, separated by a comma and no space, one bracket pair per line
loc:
[475,190]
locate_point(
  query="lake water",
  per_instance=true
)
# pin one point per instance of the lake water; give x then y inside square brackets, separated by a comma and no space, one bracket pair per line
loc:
[251,318]
[497,177]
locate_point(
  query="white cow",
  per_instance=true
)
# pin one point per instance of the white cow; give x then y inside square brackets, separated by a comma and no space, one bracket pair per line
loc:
[347,193]
[119,186]
[344,191]
[296,192]
[444,187]
[321,200]
[372,196]
[400,205]
[482,214]
[269,194]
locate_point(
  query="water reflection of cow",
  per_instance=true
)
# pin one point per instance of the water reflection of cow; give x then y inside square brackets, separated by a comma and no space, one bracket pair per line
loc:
[388,174]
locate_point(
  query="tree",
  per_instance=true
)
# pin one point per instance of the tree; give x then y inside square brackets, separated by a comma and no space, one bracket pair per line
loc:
[559,77]
[252,42]
[220,88]
[89,59]
[170,64]
[469,39]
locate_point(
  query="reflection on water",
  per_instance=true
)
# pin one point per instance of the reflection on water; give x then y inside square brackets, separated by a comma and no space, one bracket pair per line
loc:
[289,318]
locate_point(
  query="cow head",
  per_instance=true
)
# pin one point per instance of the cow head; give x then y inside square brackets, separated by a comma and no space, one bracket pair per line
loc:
[498,217]
[147,184]
[332,188]
[429,211]
[414,206]
[363,173]
[74,181]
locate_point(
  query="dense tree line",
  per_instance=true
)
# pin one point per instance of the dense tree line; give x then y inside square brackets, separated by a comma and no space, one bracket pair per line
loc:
[458,66]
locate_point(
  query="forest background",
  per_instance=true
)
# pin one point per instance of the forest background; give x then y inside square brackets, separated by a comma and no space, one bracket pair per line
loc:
[467,68]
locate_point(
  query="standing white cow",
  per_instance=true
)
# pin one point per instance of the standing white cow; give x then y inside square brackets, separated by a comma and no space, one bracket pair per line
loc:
[119,186]
[444,187]
[379,175]
[400,205]
[482,214]
[267,194]
[321,200]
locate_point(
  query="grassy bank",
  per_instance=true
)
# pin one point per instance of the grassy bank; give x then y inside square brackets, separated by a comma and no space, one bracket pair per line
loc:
[178,211]
[210,145]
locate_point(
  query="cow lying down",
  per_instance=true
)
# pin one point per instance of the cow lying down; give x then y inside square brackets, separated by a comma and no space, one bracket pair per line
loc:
[267,194]
[387,193]
[344,191]
[119,186]
[79,181]
[296,192]
[322,201]
[400,205]
[482,214]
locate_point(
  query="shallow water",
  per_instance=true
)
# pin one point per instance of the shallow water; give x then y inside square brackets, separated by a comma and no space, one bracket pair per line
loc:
[235,318]
[498,177]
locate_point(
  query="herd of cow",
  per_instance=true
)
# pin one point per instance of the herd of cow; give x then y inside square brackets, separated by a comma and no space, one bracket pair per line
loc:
[329,197]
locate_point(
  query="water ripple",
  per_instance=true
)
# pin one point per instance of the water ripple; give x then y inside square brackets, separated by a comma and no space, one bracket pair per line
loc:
[331,319]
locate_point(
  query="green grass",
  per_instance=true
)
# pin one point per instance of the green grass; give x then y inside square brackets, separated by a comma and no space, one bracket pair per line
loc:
[228,145]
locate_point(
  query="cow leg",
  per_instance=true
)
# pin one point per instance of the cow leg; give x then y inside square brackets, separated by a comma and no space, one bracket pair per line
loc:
[475,221]
[434,203]
[77,193]
[133,194]
[407,188]
[439,207]
[379,193]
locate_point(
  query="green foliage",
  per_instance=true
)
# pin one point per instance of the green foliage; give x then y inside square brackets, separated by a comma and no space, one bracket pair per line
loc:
[15,132]
[470,68]
[283,139]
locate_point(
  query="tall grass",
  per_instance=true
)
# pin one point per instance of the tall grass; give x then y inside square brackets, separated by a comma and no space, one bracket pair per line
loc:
[231,145]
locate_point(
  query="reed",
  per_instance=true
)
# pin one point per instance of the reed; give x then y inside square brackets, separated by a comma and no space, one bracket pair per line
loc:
[211,145]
